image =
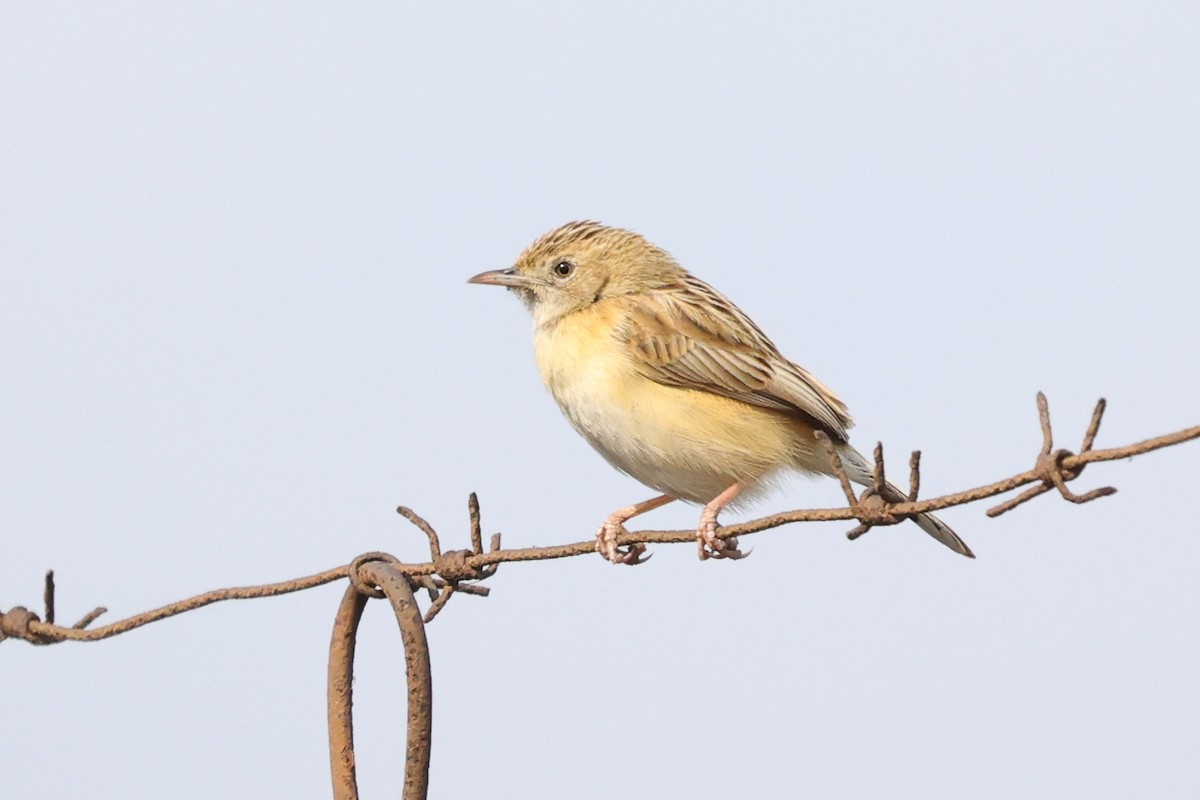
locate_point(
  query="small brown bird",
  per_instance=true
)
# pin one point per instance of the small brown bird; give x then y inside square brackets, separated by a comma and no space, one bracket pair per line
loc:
[672,383]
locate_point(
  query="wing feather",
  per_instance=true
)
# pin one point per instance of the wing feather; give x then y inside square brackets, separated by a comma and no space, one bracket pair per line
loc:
[691,336]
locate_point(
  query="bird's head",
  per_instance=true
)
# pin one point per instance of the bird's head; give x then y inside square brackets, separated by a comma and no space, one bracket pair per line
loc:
[582,263]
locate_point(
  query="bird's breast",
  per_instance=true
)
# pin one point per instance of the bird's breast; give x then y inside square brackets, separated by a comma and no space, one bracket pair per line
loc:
[684,442]
[586,368]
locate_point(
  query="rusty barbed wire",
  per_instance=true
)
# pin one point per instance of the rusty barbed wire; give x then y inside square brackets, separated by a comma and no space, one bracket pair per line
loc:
[448,574]
[455,572]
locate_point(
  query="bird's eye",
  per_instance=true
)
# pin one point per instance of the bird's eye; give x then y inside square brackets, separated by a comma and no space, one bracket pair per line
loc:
[563,268]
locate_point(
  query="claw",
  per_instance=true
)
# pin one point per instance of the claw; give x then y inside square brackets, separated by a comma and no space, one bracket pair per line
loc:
[606,545]
[712,546]
[636,554]
[709,544]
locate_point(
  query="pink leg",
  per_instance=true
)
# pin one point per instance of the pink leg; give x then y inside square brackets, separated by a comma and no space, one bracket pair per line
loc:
[706,535]
[606,537]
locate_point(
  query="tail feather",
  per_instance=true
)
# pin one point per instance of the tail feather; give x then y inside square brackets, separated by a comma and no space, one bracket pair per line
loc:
[859,472]
[943,533]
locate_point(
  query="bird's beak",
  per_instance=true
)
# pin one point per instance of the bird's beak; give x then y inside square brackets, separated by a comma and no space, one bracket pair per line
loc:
[501,277]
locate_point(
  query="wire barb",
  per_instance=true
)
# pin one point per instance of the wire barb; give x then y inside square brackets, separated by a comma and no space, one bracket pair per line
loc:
[872,507]
[48,598]
[476,525]
[1050,467]
[914,476]
[454,571]
[839,471]
[89,618]
[435,547]
[879,474]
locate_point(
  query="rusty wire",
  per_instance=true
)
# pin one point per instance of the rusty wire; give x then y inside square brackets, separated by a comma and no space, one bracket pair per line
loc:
[449,574]
[459,571]
[372,575]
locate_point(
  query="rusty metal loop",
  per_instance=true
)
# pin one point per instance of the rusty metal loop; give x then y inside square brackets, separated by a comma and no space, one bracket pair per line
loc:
[394,584]
[364,585]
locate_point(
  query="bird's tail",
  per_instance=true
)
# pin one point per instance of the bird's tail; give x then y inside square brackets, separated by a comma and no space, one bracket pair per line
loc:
[943,533]
[860,472]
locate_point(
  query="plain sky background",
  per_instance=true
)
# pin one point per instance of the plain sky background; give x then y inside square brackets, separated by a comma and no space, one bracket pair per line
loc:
[235,334]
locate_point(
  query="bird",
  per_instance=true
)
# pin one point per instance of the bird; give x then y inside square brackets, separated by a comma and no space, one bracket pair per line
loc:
[673,384]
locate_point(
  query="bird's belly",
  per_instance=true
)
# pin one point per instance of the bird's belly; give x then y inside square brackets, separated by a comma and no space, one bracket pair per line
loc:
[683,442]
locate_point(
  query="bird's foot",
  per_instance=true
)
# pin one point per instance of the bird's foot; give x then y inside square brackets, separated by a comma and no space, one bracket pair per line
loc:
[606,544]
[712,546]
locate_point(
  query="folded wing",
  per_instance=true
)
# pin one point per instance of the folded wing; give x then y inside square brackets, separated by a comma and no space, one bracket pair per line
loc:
[693,337]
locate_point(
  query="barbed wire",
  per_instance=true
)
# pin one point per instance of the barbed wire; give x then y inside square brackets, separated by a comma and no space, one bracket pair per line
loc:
[447,574]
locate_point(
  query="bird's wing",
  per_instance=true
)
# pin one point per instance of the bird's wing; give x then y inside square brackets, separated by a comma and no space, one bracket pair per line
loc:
[691,336]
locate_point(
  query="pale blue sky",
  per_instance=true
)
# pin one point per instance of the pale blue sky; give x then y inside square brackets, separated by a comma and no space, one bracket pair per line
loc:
[235,333]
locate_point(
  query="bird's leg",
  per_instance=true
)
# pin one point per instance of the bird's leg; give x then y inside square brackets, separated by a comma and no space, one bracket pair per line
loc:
[709,544]
[606,537]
